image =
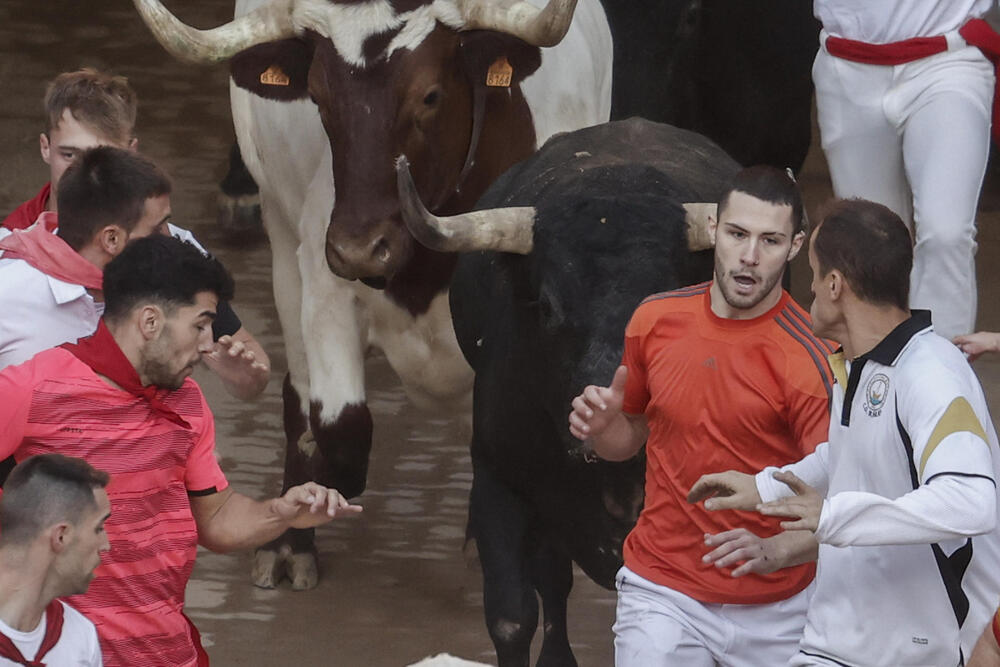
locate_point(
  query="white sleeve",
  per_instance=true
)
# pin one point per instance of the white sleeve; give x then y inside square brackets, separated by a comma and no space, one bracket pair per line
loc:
[813,470]
[947,507]
[185,235]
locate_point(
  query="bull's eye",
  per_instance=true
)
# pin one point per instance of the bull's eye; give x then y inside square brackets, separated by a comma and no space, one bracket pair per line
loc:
[431,98]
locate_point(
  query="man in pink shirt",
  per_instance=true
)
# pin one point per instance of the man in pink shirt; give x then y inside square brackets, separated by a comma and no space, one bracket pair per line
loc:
[123,400]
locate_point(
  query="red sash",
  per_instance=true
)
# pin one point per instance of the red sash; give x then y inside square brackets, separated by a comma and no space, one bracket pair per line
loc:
[52,256]
[996,626]
[976,32]
[53,630]
[100,351]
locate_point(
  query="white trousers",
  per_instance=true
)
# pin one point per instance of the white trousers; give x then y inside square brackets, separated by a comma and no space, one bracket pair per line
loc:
[915,138]
[656,626]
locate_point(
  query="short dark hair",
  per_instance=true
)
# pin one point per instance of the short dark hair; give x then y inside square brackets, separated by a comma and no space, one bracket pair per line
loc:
[771,185]
[106,186]
[870,245]
[162,270]
[44,490]
[102,101]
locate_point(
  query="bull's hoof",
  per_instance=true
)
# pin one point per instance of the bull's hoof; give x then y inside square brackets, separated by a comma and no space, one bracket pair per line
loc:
[268,568]
[239,218]
[303,571]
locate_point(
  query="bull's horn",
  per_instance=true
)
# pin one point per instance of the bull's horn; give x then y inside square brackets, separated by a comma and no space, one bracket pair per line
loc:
[271,22]
[500,229]
[697,216]
[539,27]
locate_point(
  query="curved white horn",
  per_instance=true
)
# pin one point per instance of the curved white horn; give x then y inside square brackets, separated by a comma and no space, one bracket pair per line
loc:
[697,216]
[264,24]
[539,27]
[500,229]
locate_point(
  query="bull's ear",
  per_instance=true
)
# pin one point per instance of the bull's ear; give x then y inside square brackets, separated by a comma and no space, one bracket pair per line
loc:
[495,55]
[275,70]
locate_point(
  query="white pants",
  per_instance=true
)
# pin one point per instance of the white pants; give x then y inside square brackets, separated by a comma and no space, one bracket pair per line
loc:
[915,138]
[656,626]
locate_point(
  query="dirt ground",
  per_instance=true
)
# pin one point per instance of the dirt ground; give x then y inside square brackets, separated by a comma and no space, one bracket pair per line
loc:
[395,586]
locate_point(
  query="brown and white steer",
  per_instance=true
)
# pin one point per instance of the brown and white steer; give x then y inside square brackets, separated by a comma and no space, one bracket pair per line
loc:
[328,92]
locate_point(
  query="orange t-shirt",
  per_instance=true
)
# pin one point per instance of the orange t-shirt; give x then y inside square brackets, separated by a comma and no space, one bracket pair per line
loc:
[718,394]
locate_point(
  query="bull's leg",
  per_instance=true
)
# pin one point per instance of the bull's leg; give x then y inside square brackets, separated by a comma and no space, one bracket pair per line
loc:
[552,576]
[498,521]
[239,201]
[277,558]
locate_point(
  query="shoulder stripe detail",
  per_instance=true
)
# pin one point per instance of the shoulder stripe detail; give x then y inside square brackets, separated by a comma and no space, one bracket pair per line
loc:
[958,417]
[958,474]
[796,311]
[805,329]
[694,290]
[821,366]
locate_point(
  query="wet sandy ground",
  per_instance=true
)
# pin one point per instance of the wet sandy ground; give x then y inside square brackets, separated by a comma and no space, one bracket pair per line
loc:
[395,586]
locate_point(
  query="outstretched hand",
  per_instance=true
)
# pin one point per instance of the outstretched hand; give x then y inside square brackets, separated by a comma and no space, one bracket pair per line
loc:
[597,407]
[728,490]
[805,505]
[975,344]
[311,504]
[747,553]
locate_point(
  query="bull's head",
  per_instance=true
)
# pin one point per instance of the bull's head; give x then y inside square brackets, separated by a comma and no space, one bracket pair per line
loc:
[389,78]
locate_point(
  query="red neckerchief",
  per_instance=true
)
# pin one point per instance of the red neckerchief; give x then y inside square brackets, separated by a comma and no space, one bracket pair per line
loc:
[53,630]
[100,351]
[24,216]
[52,256]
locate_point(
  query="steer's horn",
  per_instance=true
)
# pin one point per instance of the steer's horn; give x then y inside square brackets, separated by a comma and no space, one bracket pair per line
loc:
[697,216]
[501,229]
[539,27]
[271,22]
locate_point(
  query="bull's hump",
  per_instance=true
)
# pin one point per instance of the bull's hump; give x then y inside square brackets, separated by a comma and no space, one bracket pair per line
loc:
[350,25]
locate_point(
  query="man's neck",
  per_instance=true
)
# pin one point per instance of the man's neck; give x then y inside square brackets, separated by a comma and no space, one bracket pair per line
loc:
[94,255]
[866,325]
[24,589]
[125,338]
[723,309]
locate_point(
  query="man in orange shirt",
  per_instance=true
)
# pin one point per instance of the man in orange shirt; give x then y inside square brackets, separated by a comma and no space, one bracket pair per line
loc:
[726,371]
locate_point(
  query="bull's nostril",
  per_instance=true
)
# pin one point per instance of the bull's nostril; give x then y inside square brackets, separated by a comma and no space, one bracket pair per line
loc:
[381,251]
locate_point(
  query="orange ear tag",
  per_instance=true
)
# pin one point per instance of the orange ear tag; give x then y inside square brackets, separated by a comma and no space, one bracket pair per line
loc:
[274,76]
[500,73]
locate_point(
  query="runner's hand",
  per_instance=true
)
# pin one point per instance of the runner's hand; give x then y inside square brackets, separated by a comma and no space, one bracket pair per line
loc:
[597,407]
[728,490]
[805,505]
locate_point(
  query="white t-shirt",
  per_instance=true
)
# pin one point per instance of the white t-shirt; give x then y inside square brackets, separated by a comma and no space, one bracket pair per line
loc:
[884,21]
[909,476]
[77,645]
[38,312]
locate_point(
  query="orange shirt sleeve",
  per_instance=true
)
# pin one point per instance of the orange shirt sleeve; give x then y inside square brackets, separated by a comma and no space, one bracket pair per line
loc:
[636,386]
[809,404]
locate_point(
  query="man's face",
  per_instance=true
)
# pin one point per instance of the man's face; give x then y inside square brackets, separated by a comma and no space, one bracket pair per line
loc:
[155,217]
[822,311]
[186,334]
[76,564]
[753,243]
[64,143]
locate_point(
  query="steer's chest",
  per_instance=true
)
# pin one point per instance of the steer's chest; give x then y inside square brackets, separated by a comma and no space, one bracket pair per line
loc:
[421,349]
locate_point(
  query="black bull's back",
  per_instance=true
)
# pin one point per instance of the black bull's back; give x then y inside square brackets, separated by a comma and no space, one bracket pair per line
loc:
[537,328]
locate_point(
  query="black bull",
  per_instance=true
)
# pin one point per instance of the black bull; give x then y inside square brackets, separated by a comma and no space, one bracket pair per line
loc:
[537,328]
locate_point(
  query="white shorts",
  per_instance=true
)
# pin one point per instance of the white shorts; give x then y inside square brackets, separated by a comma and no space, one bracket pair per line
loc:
[657,626]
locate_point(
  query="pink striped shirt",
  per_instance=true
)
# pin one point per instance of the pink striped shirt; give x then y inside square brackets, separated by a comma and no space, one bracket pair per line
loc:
[56,403]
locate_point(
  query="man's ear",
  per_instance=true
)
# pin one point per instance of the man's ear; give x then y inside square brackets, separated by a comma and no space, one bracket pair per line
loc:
[112,239]
[797,242]
[133,144]
[151,321]
[713,227]
[836,283]
[60,536]
[44,147]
